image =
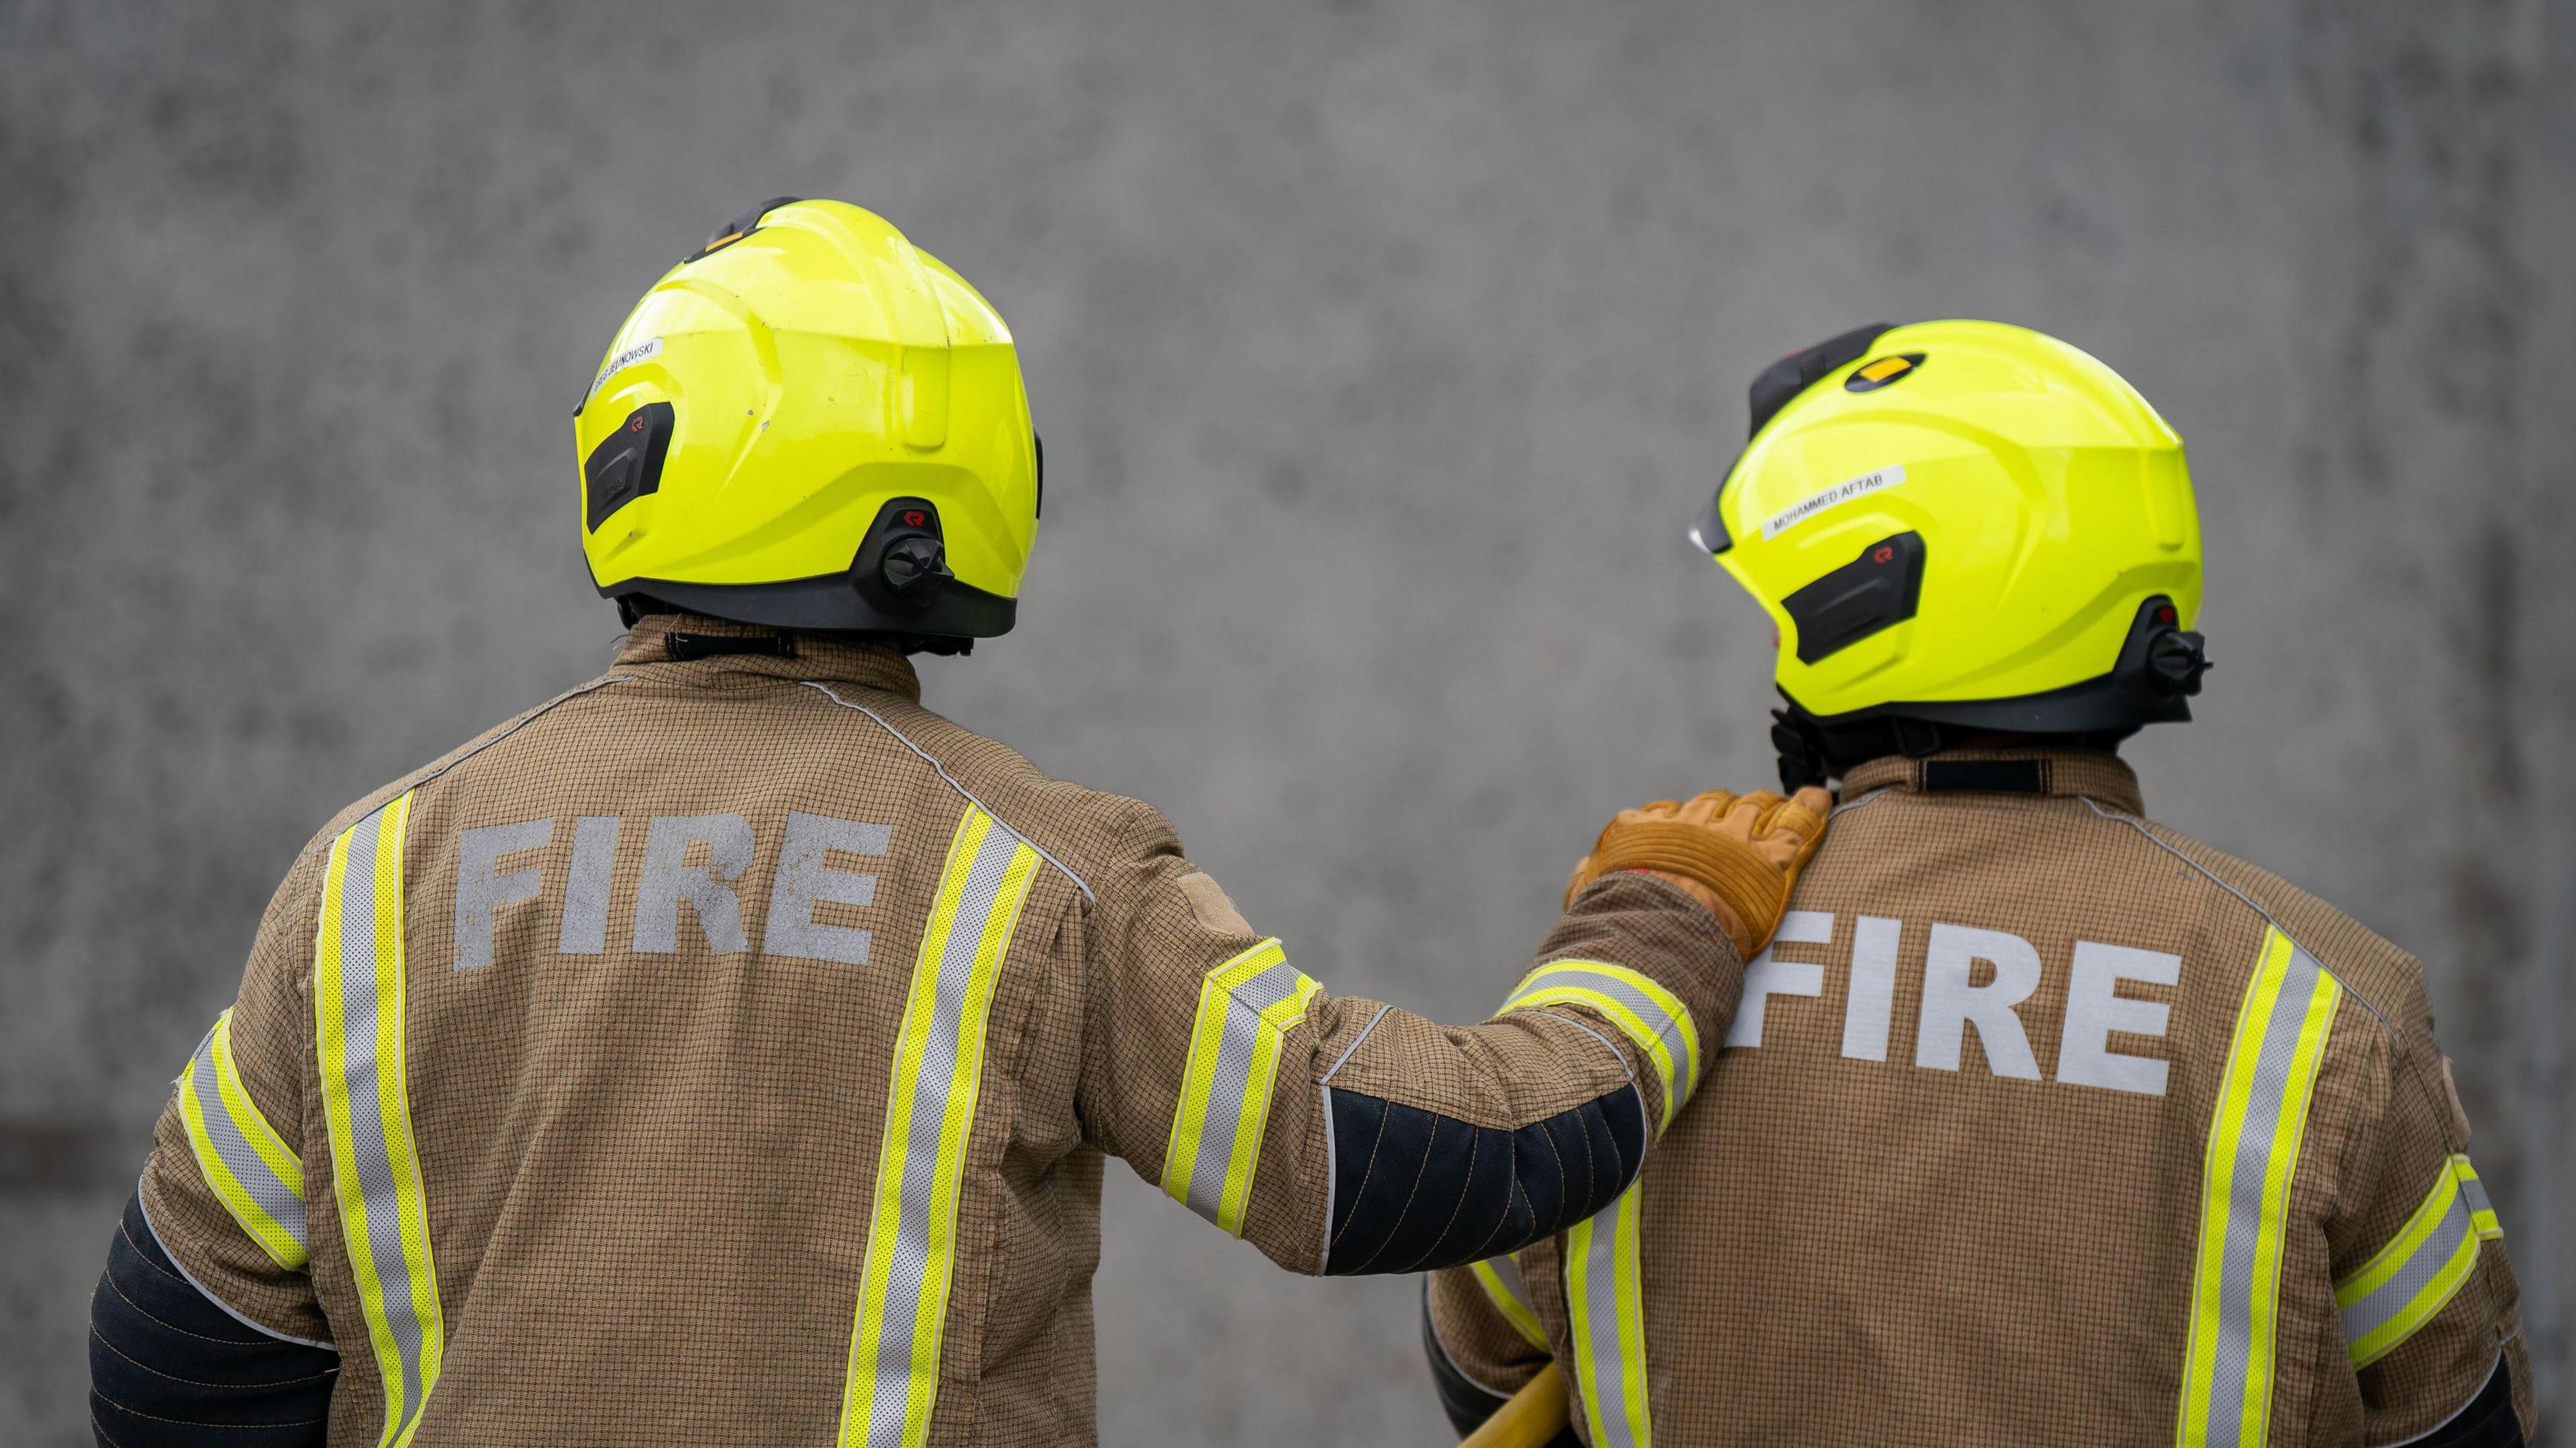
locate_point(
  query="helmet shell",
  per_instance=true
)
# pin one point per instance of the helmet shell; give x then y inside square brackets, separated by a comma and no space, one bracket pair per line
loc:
[810,368]
[2048,502]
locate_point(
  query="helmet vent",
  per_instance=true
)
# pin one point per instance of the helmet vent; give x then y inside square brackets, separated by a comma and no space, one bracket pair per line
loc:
[1878,590]
[627,464]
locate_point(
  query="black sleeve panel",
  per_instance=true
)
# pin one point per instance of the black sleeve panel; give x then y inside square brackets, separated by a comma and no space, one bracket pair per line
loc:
[1414,1191]
[2487,1422]
[168,1368]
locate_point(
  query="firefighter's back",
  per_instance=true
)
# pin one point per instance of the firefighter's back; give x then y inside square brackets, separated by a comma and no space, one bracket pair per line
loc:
[2041,1123]
[621,1021]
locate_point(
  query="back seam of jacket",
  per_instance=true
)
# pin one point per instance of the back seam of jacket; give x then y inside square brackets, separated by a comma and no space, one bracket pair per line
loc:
[2244,899]
[933,761]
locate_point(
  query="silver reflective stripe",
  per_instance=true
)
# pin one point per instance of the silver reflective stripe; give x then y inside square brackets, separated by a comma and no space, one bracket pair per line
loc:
[2476,1193]
[2383,1304]
[1605,1309]
[893,1377]
[1677,1035]
[231,1145]
[361,1022]
[2245,1203]
[2255,1135]
[358,1004]
[1232,1081]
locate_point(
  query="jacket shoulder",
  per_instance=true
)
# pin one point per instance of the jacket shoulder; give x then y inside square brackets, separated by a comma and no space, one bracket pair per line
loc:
[2388,979]
[1091,833]
[395,788]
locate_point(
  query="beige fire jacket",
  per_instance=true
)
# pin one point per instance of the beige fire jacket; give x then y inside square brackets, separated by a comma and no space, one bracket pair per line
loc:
[2039,1123]
[727,1052]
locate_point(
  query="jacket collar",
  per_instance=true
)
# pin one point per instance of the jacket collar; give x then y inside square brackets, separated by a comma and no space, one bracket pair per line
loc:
[2089,772]
[696,646]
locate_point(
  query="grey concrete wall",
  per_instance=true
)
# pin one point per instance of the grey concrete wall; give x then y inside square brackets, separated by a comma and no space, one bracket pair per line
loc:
[1382,351]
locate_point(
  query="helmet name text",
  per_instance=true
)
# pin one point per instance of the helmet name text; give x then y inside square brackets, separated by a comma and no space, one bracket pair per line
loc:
[649,347]
[1840,493]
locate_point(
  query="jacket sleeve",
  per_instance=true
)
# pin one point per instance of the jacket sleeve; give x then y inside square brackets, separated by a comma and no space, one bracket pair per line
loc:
[2427,1299]
[1484,1338]
[1341,1135]
[217,1232]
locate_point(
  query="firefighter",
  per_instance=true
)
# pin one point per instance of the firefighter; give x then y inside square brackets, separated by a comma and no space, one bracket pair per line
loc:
[727,1051]
[2040,1122]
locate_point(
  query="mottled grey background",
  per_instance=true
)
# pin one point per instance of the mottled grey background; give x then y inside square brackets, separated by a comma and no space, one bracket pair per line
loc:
[1382,351]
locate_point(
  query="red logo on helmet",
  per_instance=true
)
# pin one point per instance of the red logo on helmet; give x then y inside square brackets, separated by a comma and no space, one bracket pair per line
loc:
[1885,554]
[916,518]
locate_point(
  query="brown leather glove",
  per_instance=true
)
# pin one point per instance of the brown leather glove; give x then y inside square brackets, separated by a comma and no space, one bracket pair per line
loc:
[1736,854]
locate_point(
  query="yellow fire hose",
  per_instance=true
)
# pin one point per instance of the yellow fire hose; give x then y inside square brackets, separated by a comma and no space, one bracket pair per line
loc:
[1532,1416]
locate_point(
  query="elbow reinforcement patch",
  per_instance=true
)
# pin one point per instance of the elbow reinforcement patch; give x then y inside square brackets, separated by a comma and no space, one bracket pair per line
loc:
[1414,1190]
[169,1367]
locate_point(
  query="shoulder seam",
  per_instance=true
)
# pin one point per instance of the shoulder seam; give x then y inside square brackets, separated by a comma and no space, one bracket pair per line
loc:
[2133,822]
[933,761]
[429,773]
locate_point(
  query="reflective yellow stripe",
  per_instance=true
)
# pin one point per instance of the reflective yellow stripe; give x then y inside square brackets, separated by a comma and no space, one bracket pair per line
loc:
[893,1376]
[2406,1282]
[2254,1138]
[1605,1307]
[1647,1014]
[1500,1277]
[1246,1008]
[358,994]
[245,1163]
[2482,1215]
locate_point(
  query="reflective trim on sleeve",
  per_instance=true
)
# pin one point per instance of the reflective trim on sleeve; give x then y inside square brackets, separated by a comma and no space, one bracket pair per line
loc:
[893,1377]
[1646,1013]
[1246,1008]
[1605,1307]
[2481,1211]
[358,988]
[247,1165]
[2406,1282]
[2253,1153]
[1501,1279]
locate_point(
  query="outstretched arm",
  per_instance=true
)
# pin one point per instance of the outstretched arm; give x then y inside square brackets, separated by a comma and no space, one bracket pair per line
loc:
[1342,1135]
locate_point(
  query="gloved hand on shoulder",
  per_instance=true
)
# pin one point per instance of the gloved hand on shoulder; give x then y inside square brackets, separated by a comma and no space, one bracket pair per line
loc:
[1736,854]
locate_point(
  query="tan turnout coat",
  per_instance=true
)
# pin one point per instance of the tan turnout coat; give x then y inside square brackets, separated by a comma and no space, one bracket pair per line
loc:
[2038,1123]
[728,1052]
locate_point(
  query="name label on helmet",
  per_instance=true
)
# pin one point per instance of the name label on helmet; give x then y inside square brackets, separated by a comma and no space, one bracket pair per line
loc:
[649,347]
[1833,497]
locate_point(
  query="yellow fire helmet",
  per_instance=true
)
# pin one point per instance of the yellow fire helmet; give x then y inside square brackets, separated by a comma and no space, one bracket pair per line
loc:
[1959,528]
[810,423]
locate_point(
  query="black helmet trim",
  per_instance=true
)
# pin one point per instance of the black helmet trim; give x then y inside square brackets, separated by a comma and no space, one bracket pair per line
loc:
[828,601]
[898,582]
[1777,386]
[739,227]
[2158,670]
[1782,381]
